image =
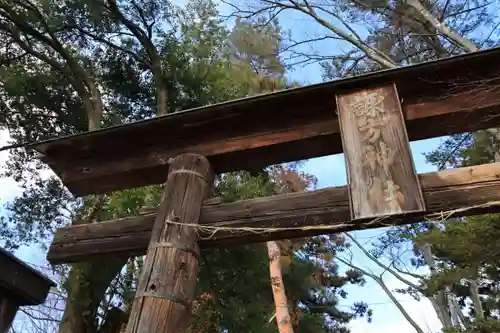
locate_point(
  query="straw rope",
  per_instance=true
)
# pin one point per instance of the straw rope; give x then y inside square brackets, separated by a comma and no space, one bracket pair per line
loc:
[432,217]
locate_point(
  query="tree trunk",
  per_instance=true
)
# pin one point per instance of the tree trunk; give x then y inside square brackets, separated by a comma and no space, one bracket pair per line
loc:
[466,44]
[438,308]
[440,298]
[398,304]
[279,294]
[161,88]
[95,114]
[165,293]
[464,320]
[88,282]
[455,320]
[474,295]
[114,321]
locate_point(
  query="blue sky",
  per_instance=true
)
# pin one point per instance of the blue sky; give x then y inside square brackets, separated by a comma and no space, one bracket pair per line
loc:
[330,171]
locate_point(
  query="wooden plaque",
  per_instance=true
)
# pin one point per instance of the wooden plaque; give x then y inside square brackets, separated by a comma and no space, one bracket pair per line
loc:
[380,170]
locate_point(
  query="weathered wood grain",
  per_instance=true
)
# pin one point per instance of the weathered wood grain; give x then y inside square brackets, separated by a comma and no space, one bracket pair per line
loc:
[380,171]
[438,99]
[443,191]
[167,284]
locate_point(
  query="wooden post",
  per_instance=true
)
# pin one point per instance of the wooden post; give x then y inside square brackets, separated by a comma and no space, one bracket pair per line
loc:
[8,309]
[380,170]
[166,288]
[20,285]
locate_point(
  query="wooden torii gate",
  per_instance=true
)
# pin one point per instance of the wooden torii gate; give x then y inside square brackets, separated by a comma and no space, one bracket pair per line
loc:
[371,118]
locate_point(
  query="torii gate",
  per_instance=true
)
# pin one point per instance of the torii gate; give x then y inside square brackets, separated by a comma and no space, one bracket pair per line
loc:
[371,118]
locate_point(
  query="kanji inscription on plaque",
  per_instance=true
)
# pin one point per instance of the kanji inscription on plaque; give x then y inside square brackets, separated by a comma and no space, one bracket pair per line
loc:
[381,173]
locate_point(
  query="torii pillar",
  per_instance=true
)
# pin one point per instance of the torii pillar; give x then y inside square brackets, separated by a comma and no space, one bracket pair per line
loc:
[167,284]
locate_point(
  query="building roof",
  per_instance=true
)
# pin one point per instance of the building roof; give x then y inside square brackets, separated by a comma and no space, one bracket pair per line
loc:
[18,279]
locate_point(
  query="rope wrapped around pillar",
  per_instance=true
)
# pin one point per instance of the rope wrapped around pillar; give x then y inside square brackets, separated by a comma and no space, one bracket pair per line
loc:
[166,287]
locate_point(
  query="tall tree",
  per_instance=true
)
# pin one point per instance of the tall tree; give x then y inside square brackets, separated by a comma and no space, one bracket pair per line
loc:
[256,55]
[40,34]
[468,266]
[257,69]
[37,30]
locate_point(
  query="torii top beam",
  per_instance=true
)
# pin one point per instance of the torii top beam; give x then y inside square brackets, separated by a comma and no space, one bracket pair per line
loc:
[441,97]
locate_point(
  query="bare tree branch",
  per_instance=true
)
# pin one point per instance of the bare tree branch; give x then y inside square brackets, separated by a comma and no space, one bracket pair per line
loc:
[371,52]
[468,45]
[391,296]
[380,264]
[113,45]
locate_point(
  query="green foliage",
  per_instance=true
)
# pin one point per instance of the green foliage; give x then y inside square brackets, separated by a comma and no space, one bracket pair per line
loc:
[255,52]
[481,326]
[467,249]
[464,149]
[34,216]
[37,103]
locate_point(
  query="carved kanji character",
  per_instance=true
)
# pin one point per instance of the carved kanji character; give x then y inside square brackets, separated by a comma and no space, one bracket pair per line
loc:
[362,122]
[358,105]
[374,104]
[370,157]
[376,192]
[393,196]
[385,157]
[373,128]
[370,105]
